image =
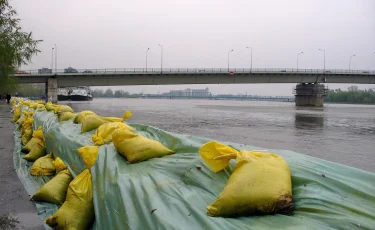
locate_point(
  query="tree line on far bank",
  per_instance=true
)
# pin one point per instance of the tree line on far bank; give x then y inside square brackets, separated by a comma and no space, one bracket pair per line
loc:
[352,95]
[110,93]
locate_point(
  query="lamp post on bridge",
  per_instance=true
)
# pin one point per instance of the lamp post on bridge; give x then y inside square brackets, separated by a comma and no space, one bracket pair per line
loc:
[298,58]
[146,57]
[228,57]
[55,58]
[324,53]
[161,62]
[251,57]
[52,61]
[350,60]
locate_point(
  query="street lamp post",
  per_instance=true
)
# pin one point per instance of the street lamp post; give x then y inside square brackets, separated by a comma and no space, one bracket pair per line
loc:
[55,58]
[251,57]
[324,52]
[52,61]
[350,60]
[146,57]
[228,57]
[298,58]
[161,62]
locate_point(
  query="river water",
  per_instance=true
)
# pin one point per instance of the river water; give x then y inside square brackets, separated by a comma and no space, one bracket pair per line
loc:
[340,133]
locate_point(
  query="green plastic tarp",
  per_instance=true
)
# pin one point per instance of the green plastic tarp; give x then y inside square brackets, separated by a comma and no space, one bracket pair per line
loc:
[173,192]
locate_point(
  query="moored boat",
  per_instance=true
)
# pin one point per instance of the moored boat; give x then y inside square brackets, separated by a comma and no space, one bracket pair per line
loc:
[74,94]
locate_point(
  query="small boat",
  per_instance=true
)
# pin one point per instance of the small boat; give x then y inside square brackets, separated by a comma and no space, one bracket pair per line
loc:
[74,94]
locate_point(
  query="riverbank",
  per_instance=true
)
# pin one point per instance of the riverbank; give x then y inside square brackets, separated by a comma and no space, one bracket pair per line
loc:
[14,200]
[160,192]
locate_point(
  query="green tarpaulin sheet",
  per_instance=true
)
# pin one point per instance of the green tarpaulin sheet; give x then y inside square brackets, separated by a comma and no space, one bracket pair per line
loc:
[173,192]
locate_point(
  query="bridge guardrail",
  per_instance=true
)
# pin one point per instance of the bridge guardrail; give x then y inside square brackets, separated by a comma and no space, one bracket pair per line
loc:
[198,71]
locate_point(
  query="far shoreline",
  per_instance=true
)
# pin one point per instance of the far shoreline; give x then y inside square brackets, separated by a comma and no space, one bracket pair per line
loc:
[226,99]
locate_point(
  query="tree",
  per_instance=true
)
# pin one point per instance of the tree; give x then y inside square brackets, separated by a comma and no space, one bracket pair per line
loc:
[353,88]
[353,95]
[108,93]
[119,93]
[16,47]
[97,93]
[31,90]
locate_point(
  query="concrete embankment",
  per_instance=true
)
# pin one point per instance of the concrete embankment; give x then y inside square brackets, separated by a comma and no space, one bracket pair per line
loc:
[14,200]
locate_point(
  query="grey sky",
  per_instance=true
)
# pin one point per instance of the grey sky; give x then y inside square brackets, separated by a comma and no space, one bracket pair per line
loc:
[197,33]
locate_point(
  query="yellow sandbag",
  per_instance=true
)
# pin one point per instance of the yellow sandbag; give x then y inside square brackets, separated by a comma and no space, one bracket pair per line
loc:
[59,164]
[260,182]
[43,166]
[22,118]
[64,116]
[127,114]
[30,145]
[27,124]
[28,120]
[13,101]
[50,107]
[33,105]
[136,148]
[40,107]
[16,113]
[38,151]
[103,134]
[77,212]
[91,122]
[25,121]
[89,155]
[82,116]
[20,121]
[38,133]
[63,108]
[54,191]
[26,137]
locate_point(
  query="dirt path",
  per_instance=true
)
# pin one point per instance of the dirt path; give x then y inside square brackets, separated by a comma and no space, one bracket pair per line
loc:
[14,200]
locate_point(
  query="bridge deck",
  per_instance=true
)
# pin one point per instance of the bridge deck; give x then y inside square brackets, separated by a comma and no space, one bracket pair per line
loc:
[113,77]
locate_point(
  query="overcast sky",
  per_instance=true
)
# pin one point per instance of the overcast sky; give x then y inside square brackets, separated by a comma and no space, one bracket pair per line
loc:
[199,34]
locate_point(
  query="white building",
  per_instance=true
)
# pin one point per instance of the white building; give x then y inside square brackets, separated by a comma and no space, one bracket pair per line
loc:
[200,92]
[190,93]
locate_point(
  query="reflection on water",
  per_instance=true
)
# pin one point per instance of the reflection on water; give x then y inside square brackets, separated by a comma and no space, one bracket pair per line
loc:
[308,121]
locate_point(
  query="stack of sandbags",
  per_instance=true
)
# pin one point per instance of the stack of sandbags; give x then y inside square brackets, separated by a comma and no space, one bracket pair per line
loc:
[54,191]
[17,112]
[103,134]
[92,121]
[36,148]
[77,212]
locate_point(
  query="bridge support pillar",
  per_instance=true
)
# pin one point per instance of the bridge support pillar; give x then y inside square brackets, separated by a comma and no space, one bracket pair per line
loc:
[52,90]
[310,94]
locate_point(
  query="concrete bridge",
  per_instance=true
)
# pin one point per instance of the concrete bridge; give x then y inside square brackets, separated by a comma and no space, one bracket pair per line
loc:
[309,91]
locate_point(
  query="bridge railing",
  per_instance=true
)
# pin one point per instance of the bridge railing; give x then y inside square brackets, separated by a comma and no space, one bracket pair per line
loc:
[192,71]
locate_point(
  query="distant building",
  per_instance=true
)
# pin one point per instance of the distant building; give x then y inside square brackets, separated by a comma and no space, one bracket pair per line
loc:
[186,92]
[200,92]
[190,93]
[175,93]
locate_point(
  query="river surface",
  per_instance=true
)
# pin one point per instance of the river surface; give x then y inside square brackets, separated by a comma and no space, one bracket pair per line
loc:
[341,133]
